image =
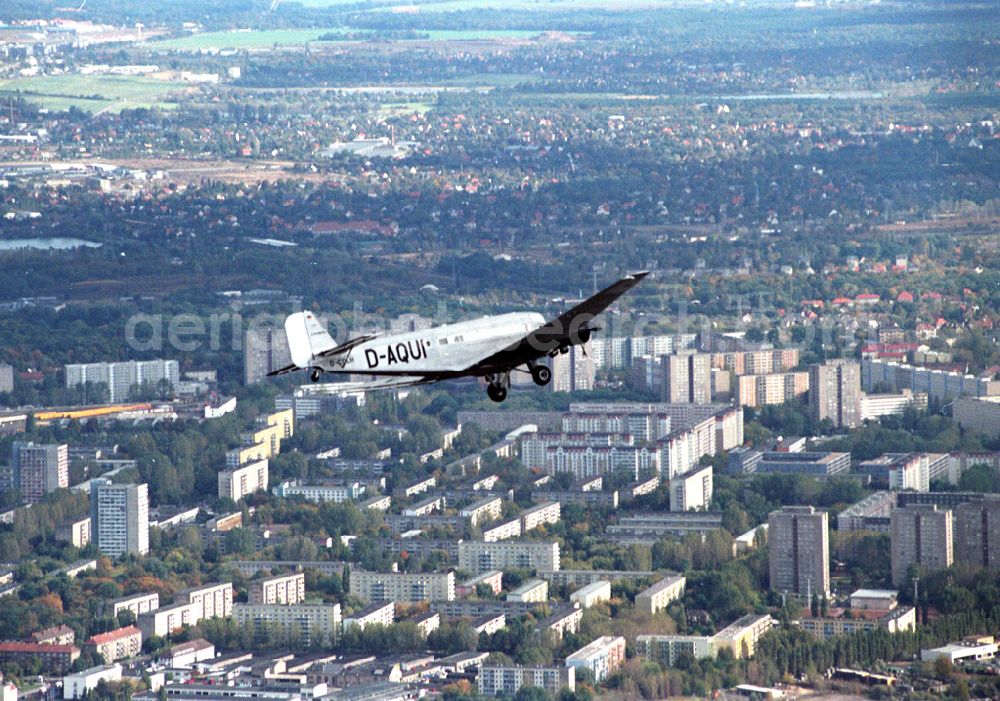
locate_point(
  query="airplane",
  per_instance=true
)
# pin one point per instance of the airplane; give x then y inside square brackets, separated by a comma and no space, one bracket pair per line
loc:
[490,347]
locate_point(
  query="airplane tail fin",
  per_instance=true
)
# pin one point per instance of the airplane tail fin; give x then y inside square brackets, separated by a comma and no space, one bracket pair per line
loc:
[307,338]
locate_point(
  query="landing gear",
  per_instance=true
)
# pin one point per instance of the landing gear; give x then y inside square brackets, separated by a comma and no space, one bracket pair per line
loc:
[496,392]
[496,386]
[315,374]
[541,375]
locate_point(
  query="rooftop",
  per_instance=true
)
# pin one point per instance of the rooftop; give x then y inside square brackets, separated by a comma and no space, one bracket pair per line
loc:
[112,635]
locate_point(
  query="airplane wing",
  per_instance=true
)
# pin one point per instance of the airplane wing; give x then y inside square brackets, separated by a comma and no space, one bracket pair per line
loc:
[572,326]
[284,371]
[388,383]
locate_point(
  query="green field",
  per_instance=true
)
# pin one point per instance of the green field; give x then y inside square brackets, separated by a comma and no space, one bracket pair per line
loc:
[398,109]
[494,80]
[92,93]
[266,39]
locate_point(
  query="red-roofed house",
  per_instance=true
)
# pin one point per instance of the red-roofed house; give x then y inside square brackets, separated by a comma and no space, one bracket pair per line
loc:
[54,658]
[904,296]
[867,298]
[841,301]
[117,644]
[926,331]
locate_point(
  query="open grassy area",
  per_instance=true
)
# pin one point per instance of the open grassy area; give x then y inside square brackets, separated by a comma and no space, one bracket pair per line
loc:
[395,109]
[92,93]
[496,80]
[265,39]
[240,39]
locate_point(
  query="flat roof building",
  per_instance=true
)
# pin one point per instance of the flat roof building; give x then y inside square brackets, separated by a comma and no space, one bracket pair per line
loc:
[496,680]
[592,594]
[921,537]
[660,595]
[799,547]
[602,657]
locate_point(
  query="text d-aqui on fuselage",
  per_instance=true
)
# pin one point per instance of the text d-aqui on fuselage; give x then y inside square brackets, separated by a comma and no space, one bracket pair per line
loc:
[396,353]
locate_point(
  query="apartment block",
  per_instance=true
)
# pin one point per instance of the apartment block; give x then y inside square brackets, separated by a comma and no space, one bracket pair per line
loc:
[875,406]
[869,514]
[124,379]
[647,528]
[592,594]
[321,492]
[563,621]
[76,533]
[741,636]
[799,547]
[978,414]
[138,604]
[38,470]
[762,362]
[897,620]
[686,378]
[210,600]
[492,579]
[502,531]
[835,393]
[899,471]
[692,491]
[238,482]
[921,536]
[977,532]
[486,509]
[119,517]
[660,595]
[283,589]
[309,623]
[476,556]
[375,587]
[532,591]
[773,388]
[573,370]
[426,507]
[806,463]
[579,578]
[506,681]
[54,659]
[602,657]
[380,614]
[939,385]
[117,644]
[164,621]
[264,350]
[546,513]
[6,378]
[668,649]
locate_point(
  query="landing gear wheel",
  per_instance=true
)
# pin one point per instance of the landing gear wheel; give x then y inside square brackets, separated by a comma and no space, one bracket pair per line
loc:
[541,375]
[496,392]
[314,375]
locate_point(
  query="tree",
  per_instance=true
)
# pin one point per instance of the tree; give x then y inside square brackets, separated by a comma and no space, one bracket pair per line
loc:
[532,693]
